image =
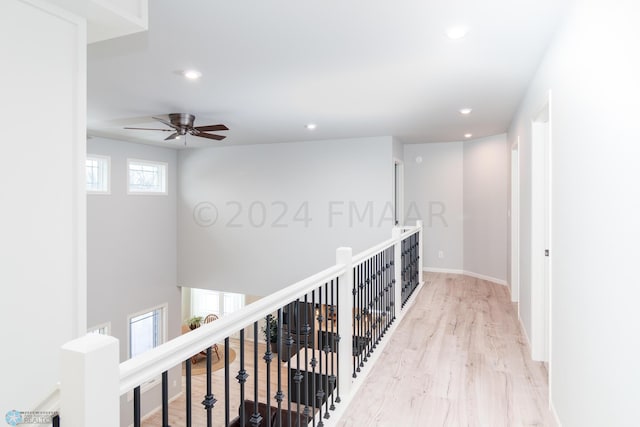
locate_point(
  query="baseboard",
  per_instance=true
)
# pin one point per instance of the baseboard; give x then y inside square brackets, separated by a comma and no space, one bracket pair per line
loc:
[555,414]
[442,270]
[487,278]
[466,273]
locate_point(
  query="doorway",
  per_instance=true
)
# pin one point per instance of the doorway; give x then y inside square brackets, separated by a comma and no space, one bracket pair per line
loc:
[541,251]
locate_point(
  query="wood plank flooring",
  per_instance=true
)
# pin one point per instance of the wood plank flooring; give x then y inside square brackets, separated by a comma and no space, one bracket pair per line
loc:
[458,358]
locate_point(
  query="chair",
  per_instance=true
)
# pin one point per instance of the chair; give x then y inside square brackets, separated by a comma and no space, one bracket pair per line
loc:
[208,319]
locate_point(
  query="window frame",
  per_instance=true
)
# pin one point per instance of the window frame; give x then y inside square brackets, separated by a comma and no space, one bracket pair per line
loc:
[98,329]
[164,177]
[164,309]
[100,157]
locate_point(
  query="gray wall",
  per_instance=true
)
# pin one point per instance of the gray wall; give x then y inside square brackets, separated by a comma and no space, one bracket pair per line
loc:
[433,176]
[459,190]
[486,181]
[132,249]
[592,70]
[345,184]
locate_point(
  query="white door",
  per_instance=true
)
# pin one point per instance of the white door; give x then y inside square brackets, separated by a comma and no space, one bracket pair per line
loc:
[541,235]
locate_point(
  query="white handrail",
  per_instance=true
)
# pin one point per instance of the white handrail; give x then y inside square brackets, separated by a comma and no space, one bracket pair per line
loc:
[152,363]
[368,253]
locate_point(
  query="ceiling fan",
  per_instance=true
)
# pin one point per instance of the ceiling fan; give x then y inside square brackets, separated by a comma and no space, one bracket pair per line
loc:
[182,124]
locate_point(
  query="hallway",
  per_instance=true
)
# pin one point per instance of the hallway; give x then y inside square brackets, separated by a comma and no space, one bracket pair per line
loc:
[459,358]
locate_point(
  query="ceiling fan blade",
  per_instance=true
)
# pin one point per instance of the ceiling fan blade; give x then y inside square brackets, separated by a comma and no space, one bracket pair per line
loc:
[209,135]
[172,136]
[164,130]
[165,122]
[211,128]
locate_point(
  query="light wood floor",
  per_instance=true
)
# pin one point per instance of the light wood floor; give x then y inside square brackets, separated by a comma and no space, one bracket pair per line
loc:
[458,358]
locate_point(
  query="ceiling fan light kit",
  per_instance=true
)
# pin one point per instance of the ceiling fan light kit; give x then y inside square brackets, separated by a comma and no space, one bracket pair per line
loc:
[182,124]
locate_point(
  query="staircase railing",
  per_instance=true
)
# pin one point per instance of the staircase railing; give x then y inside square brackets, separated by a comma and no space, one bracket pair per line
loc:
[330,328]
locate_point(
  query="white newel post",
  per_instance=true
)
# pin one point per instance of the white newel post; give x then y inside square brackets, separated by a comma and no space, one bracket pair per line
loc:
[345,320]
[397,261]
[90,382]
[420,247]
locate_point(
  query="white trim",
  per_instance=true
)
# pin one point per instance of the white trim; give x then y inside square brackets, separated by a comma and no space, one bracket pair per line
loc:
[165,178]
[487,278]
[554,413]
[442,270]
[465,273]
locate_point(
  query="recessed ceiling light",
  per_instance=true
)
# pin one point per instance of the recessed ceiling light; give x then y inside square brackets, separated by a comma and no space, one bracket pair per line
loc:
[192,74]
[468,135]
[457,32]
[311,126]
[465,111]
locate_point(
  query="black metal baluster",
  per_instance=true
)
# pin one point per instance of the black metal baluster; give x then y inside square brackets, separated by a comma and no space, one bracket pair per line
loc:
[256,418]
[336,342]
[383,293]
[316,321]
[361,314]
[289,343]
[136,407]
[227,383]
[392,288]
[55,421]
[209,400]
[326,349]
[331,376]
[354,333]
[187,367]
[279,394]
[297,378]
[305,332]
[165,399]
[268,357]
[375,299]
[242,379]
[388,287]
[369,306]
[317,394]
[338,338]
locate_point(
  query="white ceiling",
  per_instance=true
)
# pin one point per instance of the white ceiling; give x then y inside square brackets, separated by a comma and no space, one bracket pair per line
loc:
[355,67]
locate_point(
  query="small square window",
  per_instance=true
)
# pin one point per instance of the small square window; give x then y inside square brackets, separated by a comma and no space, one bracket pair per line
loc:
[146,177]
[97,171]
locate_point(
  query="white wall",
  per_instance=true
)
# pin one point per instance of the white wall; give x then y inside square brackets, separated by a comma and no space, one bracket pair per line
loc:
[486,180]
[132,248]
[433,176]
[592,69]
[346,186]
[42,219]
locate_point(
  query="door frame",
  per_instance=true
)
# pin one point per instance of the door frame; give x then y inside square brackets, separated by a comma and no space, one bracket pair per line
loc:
[541,184]
[515,221]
